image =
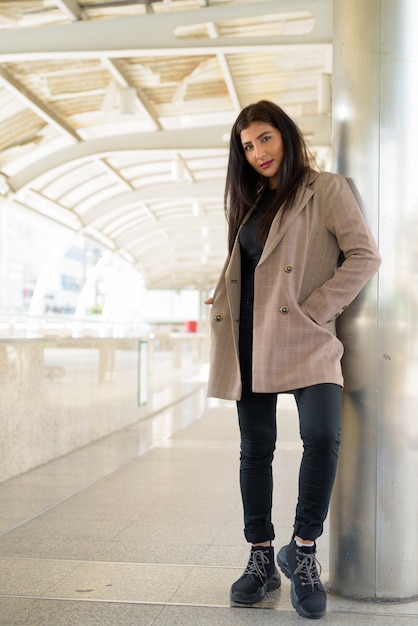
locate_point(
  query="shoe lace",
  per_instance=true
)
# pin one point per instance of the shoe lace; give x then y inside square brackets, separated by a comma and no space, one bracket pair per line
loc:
[309,569]
[257,564]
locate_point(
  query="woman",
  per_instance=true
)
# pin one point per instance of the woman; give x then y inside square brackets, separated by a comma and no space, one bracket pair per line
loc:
[299,253]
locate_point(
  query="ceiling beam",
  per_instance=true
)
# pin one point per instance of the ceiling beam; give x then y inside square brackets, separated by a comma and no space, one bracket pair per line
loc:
[115,69]
[213,188]
[154,34]
[317,127]
[223,63]
[114,173]
[71,9]
[183,139]
[35,104]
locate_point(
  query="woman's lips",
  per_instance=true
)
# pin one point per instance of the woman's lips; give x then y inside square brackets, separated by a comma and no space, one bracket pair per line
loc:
[266,164]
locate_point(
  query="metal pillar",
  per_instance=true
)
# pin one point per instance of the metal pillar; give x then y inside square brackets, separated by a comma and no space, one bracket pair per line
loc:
[374,510]
[4,207]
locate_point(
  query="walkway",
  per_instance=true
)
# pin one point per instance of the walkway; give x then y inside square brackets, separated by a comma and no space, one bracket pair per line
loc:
[144,528]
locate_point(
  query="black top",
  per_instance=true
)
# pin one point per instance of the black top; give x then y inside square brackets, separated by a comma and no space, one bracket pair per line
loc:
[251,248]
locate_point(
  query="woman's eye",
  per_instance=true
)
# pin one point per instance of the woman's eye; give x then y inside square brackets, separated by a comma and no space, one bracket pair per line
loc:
[247,148]
[266,138]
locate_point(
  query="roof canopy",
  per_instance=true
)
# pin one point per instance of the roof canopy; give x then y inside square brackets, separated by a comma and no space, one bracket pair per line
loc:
[115,115]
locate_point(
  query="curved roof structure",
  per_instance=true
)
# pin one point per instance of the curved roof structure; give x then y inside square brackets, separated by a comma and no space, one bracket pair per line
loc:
[115,115]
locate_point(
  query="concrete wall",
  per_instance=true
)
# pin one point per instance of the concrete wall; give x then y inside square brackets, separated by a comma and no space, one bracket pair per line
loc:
[57,395]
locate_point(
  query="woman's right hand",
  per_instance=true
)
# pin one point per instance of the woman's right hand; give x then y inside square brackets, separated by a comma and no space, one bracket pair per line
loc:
[208,301]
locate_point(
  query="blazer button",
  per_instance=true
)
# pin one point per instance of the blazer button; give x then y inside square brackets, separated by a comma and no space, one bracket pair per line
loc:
[288,268]
[284,310]
[219,317]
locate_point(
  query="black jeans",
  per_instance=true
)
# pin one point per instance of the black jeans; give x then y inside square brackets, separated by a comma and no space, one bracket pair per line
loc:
[319,408]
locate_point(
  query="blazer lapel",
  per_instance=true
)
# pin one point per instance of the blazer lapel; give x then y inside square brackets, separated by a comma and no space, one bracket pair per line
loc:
[279,226]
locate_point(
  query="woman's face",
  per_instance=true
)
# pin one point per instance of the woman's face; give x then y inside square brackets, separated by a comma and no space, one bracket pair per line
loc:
[263,147]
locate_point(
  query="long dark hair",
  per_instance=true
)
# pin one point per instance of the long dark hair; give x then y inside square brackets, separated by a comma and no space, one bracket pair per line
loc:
[244,185]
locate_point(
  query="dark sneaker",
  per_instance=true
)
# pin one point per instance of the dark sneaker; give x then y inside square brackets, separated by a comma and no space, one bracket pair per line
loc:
[261,575]
[306,591]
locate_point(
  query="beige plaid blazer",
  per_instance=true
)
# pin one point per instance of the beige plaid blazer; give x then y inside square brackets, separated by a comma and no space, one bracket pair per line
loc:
[299,291]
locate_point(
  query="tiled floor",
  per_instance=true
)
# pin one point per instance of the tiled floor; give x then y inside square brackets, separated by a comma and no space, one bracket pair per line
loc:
[145,528]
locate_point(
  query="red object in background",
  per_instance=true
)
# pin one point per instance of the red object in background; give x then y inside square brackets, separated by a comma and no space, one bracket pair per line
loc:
[190,327]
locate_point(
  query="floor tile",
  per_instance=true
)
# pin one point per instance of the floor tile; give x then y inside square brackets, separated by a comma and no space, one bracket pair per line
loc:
[145,527]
